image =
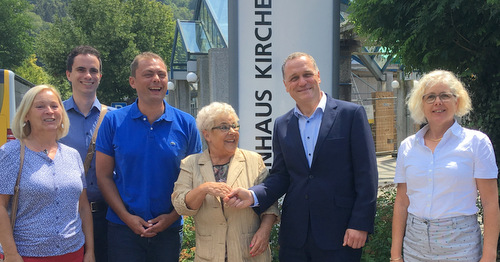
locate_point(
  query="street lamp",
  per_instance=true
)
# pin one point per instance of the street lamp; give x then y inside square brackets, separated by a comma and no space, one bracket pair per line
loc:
[191,77]
[395,84]
[170,86]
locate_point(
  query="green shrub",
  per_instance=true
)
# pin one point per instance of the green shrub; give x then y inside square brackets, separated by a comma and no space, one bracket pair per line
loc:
[189,240]
[273,239]
[378,247]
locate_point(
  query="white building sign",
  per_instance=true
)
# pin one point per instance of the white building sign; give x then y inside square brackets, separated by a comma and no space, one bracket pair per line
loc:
[268,31]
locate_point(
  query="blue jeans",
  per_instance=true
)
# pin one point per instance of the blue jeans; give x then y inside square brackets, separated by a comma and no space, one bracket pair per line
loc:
[125,245]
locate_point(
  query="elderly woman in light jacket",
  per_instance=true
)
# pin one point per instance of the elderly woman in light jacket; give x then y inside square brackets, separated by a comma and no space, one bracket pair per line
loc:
[223,233]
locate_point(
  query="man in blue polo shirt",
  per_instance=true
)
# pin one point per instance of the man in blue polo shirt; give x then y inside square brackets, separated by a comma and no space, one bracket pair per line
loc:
[139,149]
[84,72]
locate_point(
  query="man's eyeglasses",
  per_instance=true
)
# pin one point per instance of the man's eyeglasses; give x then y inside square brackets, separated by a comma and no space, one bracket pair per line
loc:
[225,127]
[444,97]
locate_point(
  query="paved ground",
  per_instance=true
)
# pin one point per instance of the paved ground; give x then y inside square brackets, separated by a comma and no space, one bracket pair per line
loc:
[386,167]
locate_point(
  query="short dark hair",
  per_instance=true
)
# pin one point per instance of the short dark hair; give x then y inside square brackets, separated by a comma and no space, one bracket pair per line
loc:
[144,55]
[297,55]
[82,50]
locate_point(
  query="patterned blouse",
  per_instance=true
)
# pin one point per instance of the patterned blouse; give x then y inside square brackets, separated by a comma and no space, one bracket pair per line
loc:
[48,222]
[220,172]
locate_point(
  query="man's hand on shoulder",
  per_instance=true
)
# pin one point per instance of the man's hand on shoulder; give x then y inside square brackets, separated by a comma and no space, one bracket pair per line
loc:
[239,198]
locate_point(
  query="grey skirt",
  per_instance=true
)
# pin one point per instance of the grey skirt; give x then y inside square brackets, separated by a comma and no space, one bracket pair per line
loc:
[448,239]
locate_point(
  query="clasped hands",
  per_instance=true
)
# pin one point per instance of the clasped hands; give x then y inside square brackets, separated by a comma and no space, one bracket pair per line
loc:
[242,198]
[238,197]
[151,227]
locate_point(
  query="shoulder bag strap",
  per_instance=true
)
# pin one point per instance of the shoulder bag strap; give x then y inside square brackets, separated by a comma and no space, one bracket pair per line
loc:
[91,150]
[15,198]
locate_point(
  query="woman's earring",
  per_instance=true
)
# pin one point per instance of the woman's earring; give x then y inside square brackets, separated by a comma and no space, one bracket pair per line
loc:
[24,124]
[62,125]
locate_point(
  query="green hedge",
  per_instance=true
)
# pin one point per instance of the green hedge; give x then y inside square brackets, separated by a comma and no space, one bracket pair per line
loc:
[377,248]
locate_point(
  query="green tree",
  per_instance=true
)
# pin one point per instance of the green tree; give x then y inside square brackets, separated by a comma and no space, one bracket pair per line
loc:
[118,29]
[52,47]
[16,43]
[37,23]
[48,9]
[182,9]
[458,35]
[30,71]
[182,13]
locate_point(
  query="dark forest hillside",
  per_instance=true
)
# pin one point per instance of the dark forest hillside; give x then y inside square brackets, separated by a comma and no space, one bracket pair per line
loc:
[47,9]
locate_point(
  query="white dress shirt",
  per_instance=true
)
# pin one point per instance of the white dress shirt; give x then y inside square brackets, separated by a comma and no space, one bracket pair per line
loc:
[442,184]
[309,127]
[309,132]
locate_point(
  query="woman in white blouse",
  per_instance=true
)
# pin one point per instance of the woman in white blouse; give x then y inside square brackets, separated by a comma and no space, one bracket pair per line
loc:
[438,173]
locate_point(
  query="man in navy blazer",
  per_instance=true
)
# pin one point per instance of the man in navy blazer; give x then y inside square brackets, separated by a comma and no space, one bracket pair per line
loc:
[324,161]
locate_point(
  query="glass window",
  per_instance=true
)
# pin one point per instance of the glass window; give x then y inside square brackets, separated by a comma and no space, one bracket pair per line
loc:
[194,37]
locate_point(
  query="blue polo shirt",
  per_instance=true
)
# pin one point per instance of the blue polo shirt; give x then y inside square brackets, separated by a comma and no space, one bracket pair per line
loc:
[147,157]
[80,133]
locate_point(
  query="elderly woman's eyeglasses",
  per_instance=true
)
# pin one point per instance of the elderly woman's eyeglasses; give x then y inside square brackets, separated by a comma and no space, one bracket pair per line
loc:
[225,128]
[444,97]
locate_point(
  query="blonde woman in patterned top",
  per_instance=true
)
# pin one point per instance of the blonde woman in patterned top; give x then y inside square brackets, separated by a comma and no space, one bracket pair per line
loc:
[223,233]
[439,171]
[54,222]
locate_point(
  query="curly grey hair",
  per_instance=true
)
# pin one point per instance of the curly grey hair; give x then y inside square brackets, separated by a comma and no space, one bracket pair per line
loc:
[208,115]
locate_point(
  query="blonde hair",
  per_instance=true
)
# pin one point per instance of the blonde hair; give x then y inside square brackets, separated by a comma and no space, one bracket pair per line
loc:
[415,98]
[22,130]
[207,115]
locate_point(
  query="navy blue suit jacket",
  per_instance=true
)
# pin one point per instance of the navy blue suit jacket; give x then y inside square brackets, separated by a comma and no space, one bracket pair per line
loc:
[337,192]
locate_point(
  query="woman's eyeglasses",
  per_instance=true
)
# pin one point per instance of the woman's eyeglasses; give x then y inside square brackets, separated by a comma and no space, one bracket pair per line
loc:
[444,97]
[225,128]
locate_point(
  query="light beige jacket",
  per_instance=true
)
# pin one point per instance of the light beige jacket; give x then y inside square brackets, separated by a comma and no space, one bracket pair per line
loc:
[216,226]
